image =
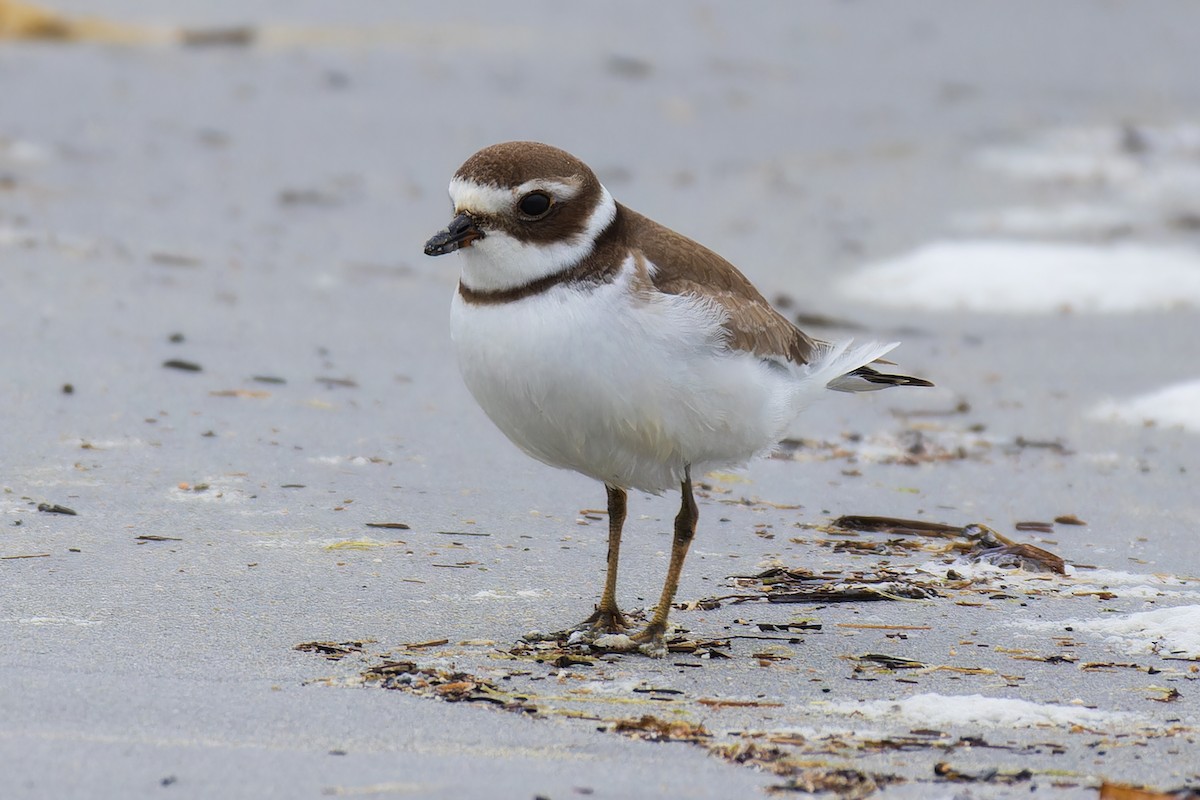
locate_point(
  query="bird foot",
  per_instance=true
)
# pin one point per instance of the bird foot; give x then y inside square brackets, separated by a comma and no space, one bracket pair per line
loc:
[603,621]
[649,642]
[607,630]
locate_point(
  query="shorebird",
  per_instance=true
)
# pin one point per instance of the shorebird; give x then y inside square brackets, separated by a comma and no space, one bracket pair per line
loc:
[603,342]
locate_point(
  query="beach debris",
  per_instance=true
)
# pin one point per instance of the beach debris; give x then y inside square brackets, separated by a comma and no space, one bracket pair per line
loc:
[573,674]
[453,686]
[854,522]
[25,21]
[1055,445]
[331,383]
[233,36]
[979,542]
[253,394]
[55,508]
[925,441]
[988,546]
[992,775]
[890,662]
[782,585]
[571,647]
[334,651]
[1120,791]
[713,702]
[166,259]
[1164,694]
[359,544]
[844,783]
[655,729]
[425,645]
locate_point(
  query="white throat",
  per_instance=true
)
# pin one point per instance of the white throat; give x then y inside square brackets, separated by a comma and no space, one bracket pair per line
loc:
[499,261]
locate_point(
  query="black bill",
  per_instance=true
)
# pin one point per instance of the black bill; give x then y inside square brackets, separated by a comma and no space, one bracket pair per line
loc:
[461,232]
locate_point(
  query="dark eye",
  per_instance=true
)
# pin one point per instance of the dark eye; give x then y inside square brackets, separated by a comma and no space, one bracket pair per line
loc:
[534,204]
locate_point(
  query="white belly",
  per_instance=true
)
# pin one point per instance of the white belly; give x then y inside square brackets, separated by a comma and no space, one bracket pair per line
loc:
[628,390]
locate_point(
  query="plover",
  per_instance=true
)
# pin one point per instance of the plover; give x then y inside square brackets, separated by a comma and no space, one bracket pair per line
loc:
[603,342]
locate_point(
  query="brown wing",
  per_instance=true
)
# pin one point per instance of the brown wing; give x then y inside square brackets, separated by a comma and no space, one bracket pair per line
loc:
[685,267]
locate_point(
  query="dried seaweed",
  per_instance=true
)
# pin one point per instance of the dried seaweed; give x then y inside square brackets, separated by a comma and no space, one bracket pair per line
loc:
[334,651]
[947,772]
[846,783]
[654,729]
[780,585]
[450,685]
[1118,791]
[896,525]
[974,541]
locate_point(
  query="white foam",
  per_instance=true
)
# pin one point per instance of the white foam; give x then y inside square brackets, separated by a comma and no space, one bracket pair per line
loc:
[1060,166]
[1174,406]
[1132,585]
[933,709]
[493,594]
[1166,631]
[618,686]
[1031,277]
[1115,577]
[1077,219]
[1142,178]
[1107,155]
[356,461]
[974,571]
[1076,581]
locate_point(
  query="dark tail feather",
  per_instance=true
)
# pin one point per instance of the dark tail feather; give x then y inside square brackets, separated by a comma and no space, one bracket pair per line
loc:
[865,379]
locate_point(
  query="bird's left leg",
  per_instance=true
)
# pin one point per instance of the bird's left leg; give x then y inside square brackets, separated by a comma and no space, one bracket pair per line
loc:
[650,638]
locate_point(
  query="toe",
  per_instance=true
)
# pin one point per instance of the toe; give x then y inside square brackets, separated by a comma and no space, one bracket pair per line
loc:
[604,621]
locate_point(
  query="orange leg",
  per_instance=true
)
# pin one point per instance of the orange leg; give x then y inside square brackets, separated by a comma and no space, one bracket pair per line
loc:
[608,617]
[685,530]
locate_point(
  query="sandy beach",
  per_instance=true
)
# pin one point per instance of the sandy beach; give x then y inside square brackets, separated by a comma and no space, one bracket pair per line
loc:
[257,540]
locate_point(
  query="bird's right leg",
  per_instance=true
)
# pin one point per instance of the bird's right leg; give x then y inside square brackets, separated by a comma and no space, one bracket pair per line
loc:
[608,618]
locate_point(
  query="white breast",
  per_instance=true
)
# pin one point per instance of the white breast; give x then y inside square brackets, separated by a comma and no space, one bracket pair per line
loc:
[626,388]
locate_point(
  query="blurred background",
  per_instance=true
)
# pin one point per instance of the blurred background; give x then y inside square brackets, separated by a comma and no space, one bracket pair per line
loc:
[1011,187]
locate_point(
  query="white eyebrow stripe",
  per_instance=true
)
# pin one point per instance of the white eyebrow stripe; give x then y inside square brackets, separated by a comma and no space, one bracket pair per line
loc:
[468,195]
[562,190]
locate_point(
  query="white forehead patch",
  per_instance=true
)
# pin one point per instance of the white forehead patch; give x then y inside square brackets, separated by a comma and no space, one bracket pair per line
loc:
[481,198]
[484,199]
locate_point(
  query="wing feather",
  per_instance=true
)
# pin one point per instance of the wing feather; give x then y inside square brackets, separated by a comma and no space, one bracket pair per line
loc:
[684,267]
